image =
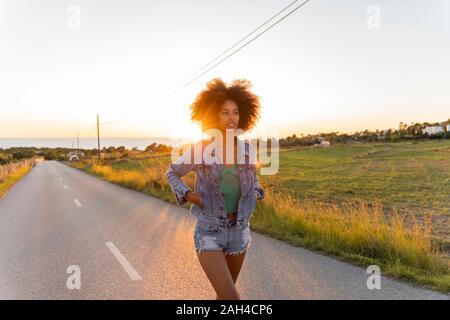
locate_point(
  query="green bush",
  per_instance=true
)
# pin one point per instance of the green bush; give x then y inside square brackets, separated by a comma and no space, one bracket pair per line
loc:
[395,138]
[5,158]
[22,154]
[437,135]
[61,157]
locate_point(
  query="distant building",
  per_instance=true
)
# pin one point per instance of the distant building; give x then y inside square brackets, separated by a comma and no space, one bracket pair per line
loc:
[75,155]
[433,130]
[323,143]
[448,128]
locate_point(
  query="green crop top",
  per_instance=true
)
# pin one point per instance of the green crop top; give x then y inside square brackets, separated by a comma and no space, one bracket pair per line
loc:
[229,187]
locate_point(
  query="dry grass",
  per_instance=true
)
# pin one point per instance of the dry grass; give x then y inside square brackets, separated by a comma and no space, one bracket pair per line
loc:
[361,228]
[12,178]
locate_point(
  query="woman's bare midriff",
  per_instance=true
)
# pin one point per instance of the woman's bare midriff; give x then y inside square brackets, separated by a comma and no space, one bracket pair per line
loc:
[231,215]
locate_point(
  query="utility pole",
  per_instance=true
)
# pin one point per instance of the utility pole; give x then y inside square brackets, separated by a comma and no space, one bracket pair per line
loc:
[98,136]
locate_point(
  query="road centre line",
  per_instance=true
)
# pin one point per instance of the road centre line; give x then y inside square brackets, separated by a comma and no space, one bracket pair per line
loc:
[124,262]
[77,202]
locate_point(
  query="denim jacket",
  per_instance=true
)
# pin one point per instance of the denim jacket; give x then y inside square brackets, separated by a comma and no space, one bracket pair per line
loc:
[207,184]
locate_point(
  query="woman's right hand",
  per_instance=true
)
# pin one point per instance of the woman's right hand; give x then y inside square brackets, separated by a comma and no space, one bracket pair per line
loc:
[194,197]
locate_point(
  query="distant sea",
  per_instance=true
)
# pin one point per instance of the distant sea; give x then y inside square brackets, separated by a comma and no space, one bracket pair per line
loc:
[87,143]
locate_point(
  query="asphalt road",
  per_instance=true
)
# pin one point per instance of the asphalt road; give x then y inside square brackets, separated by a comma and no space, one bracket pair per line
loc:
[57,223]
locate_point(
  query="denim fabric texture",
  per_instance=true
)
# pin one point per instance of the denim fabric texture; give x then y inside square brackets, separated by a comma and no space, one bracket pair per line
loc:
[211,214]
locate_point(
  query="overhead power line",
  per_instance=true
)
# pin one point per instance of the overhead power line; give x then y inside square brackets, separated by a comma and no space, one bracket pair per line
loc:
[242,39]
[246,43]
[115,121]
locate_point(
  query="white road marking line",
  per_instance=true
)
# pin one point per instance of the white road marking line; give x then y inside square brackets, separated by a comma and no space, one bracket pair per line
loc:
[66,187]
[124,262]
[77,202]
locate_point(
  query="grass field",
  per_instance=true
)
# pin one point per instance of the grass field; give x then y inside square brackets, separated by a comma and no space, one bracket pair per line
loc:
[415,177]
[382,203]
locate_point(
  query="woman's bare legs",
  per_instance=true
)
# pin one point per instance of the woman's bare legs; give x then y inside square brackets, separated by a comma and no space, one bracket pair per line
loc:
[222,271]
[234,264]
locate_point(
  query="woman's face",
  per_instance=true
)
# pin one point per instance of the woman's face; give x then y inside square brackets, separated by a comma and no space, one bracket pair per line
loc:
[228,116]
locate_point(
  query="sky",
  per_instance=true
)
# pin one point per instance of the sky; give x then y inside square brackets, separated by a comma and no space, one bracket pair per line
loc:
[342,66]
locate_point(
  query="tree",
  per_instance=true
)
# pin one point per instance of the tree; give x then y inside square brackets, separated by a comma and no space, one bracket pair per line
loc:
[5,158]
[151,148]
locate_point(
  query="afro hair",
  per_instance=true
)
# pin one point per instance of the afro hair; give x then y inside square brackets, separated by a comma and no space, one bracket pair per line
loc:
[210,100]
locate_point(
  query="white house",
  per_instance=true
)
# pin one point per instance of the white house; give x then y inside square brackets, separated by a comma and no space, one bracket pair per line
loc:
[433,129]
[448,128]
[75,155]
[322,143]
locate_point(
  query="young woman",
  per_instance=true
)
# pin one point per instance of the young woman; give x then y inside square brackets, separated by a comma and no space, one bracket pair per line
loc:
[225,194]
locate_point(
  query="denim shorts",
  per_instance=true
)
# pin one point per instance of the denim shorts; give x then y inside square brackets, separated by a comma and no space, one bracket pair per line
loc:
[228,236]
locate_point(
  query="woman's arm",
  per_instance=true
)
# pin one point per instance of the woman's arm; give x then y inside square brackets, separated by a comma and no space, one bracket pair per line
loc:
[174,173]
[193,197]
